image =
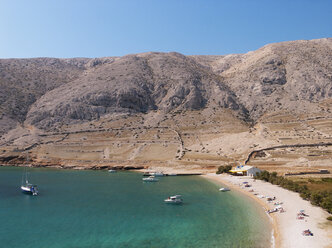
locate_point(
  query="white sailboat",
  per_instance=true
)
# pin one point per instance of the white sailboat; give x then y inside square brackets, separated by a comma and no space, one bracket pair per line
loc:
[27,187]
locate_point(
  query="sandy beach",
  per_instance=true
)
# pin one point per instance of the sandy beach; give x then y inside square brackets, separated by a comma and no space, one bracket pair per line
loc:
[287,228]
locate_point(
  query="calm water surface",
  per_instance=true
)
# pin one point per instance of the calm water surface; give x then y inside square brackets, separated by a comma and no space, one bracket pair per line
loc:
[97,209]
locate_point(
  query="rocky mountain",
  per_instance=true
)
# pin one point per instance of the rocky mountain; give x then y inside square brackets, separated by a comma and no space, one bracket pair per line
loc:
[45,96]
[277,76]
[133,83]
[24,81]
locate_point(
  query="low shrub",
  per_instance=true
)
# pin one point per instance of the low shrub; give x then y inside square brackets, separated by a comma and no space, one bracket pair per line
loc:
[223,169]
[318,198]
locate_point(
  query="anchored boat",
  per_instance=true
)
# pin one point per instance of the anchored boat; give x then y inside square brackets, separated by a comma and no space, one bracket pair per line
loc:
[224,189]
[150,179]
[157,174]
[176,199]
[27,187]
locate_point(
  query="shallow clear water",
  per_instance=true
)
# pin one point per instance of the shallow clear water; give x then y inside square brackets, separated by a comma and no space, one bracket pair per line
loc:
[100,209]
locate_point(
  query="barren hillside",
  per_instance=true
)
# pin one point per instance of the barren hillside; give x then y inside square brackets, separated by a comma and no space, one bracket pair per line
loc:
[171,110]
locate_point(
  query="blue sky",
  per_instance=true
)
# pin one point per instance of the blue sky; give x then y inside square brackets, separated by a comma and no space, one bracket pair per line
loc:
[99,28]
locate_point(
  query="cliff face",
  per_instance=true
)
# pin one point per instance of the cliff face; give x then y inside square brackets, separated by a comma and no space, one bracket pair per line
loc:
[45,92]
[201,93]
[279,76]
[130,84]
[24,81]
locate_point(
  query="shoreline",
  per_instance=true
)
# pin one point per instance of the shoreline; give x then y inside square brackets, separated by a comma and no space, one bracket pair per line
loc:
[275,237]
[287,230]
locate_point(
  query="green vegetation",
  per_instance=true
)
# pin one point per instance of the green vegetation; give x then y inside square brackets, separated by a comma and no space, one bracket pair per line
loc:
[317,191]
[224,169]
[327,180]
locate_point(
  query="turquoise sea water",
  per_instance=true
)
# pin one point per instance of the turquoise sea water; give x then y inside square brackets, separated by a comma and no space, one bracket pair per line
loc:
[97,209]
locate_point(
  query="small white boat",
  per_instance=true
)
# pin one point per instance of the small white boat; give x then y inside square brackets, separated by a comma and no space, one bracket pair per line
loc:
[157,174]
[176,199]
[112,171]
[150,179]
[224,189]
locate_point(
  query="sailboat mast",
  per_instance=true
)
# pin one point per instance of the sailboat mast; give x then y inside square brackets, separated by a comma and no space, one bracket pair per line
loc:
[26,177]
[25,173]
[22,181]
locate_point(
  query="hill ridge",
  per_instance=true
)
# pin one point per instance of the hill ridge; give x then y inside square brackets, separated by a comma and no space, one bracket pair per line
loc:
[232,101]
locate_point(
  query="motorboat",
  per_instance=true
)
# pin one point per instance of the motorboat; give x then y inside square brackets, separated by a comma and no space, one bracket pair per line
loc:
[172,174]
[150,179]
[112,171]
[224,189]
[157,174]
[176,199]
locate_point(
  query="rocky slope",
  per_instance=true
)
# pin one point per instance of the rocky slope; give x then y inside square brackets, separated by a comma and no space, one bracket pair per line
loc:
[133,83]
[279,76]
[166,107]
[24,81]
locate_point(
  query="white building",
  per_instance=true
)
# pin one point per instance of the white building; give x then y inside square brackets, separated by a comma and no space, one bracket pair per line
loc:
[245,170]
